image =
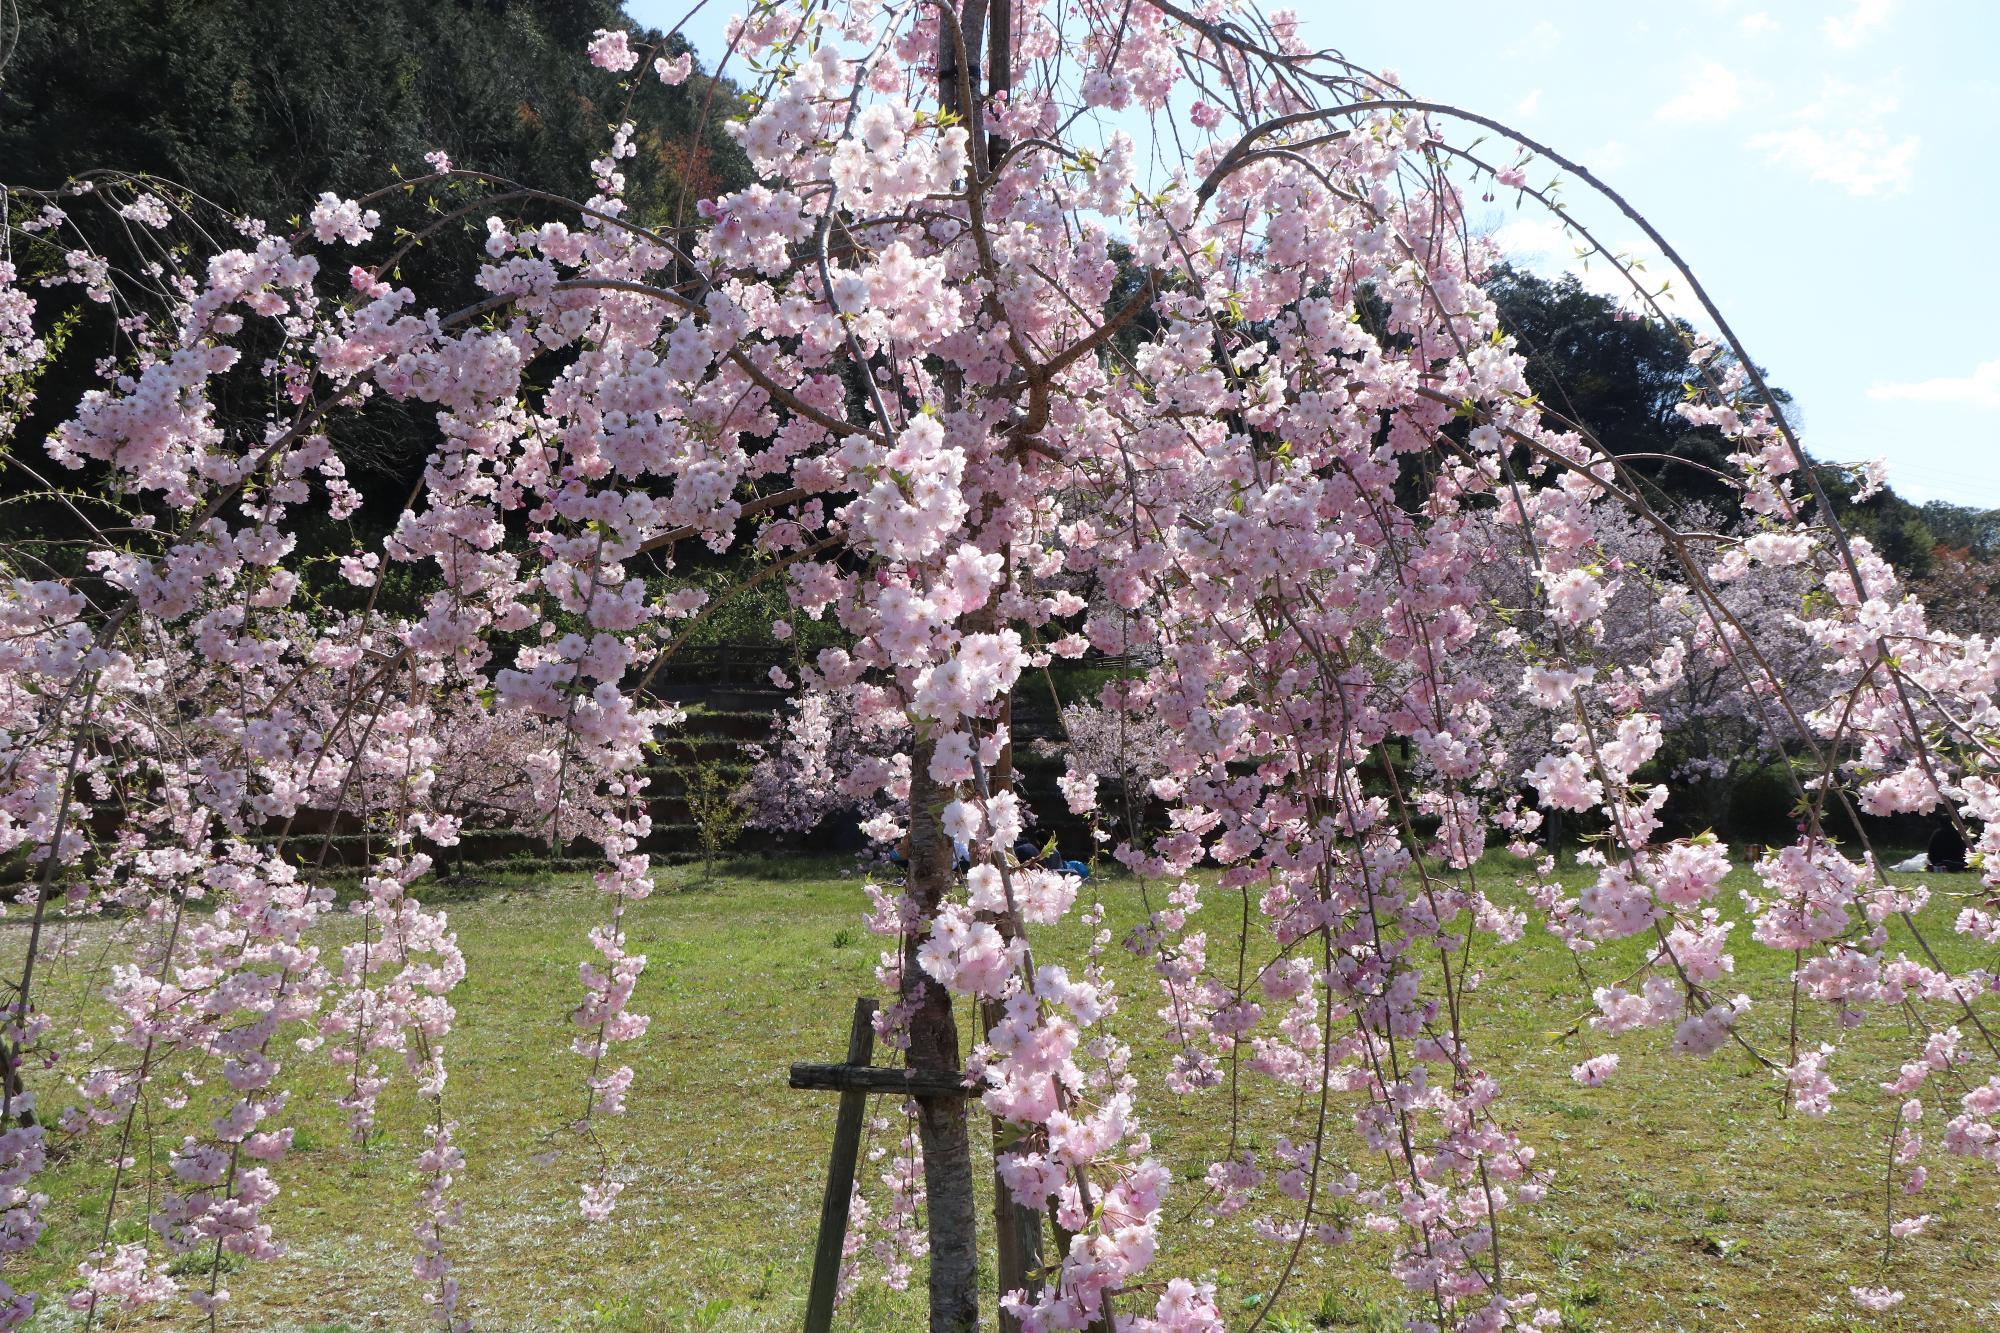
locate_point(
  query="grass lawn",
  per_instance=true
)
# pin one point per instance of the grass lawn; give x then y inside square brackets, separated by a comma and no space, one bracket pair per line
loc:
[1682,1198]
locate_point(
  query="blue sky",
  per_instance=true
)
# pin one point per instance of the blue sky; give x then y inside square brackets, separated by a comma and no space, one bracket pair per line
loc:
[1829,170]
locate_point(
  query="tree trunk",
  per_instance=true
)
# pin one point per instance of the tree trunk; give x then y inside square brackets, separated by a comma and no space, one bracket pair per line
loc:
[941,1121]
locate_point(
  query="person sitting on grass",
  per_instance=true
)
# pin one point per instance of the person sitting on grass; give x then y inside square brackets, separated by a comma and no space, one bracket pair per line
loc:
[1048,858]
[1946,852]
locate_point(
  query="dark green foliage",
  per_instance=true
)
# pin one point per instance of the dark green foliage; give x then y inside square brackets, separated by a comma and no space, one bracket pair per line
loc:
[1976,531]
[1618,378]
[258,105]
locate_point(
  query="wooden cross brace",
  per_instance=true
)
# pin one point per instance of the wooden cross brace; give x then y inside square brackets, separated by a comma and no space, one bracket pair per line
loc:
[1019,1233]
[866,1078]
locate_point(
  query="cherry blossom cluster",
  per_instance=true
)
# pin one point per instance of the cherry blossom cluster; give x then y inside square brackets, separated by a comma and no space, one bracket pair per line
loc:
[826,762]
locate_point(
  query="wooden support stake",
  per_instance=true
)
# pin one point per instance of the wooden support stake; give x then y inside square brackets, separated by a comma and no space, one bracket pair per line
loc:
[839,1174]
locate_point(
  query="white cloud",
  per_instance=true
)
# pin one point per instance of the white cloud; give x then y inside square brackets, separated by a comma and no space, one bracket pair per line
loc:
[1711,94]
[1860,161]
[1607,156]
[1979,389]
[1540,40]
[1844,138]
[1866,16]
[1758,24]
[1527,105]
[1524,238]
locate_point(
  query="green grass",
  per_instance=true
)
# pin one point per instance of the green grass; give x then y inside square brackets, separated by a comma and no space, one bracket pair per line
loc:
[1682,1198]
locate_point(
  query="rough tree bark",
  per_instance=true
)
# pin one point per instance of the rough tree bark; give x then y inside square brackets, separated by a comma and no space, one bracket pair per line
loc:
[941,1121]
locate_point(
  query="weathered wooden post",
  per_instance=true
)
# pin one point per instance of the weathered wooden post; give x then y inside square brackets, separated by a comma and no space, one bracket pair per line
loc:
[840,1177]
